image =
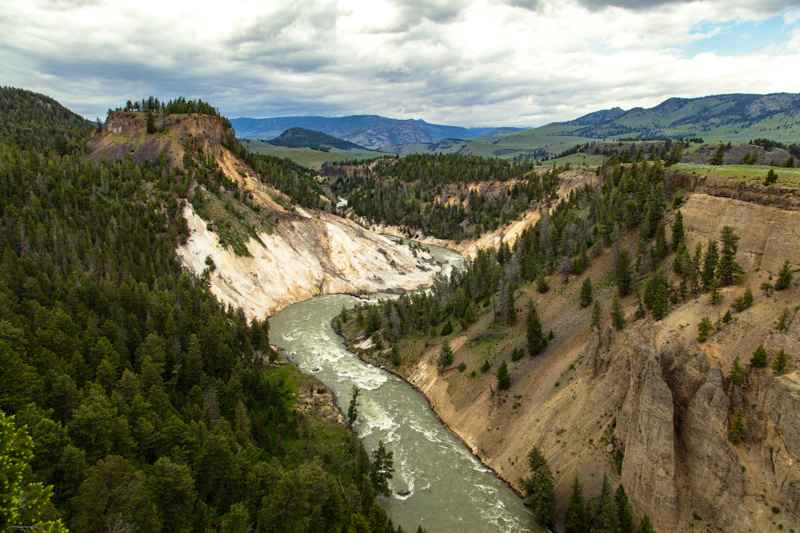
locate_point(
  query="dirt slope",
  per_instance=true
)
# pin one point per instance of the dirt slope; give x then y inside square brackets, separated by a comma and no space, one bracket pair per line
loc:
[650,398]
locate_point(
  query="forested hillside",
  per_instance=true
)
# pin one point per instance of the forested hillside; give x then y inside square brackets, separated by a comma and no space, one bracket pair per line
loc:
[446,196]
[152,407]
[624,340]
[38,122]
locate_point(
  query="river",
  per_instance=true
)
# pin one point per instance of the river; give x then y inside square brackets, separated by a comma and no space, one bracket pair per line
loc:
[438,484]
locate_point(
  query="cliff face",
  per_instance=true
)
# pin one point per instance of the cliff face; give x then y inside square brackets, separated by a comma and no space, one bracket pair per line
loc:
[303,254]
[649,406]
[306,255]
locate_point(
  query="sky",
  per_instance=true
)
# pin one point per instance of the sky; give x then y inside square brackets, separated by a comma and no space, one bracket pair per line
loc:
[465,62]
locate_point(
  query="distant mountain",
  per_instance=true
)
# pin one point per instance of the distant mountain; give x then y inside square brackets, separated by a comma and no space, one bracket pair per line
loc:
[727,117]
[371,131]
[304,138]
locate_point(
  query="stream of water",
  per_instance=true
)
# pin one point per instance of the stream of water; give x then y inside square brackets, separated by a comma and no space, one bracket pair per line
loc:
[438,484]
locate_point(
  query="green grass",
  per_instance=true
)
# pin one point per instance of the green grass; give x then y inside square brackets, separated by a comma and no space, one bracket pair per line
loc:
[787,177]
[577,160]
[309,157]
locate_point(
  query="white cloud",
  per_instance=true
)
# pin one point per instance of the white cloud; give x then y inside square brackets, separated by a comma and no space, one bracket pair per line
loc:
[466,61]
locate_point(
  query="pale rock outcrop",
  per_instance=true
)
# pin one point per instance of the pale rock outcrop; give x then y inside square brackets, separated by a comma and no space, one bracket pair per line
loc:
[304,256]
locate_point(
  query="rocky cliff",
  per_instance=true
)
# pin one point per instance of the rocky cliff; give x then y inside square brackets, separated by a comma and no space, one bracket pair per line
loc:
[299,254]
[649,406]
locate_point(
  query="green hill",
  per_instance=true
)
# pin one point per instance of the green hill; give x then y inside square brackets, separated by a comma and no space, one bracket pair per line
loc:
[37,121]
[730,117]
[305,138]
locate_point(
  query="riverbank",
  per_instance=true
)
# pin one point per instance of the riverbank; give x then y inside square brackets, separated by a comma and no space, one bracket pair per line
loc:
[352,343]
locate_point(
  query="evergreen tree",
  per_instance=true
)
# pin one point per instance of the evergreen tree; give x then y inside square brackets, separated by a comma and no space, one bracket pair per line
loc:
[541,284]
[537,342]
[622,271]
[597,312]
[737,373]
[780,363]
[586,292]
[151,123]
[576,520]
[759,359]
[605,511]
[445,356]
[704,329]
[396,359]
[678,235]
[656,296]
[784,277]
[352,409]
[382,469]
[772,177]
[624,511]
[645,526]
[503,377]
[710,265]
[743,302]
[728,270]
[539,489]
[715,297]
[617,316]
[661,249]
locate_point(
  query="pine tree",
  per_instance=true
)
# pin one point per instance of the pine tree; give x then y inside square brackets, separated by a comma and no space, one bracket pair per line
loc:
[743,302]
[445,356]
[645,526]
[151,123]
[605,511]
[678,235]
[617,316]
[737,373]
[624,511]
[597,316]
[586,292]
[780,363]
[575,520]
[784,277]
[704,329]
[728,270]
[622,273]
[715,297]
[656,296]
[382,469]
[396,359]
[352,410]
[660,250]
[541,284]
[537,342]
[503,377]
[759,359]
[772,177]
[539,489]
[710,265]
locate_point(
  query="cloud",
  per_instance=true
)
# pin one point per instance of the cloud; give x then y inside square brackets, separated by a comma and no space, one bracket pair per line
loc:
[468,61]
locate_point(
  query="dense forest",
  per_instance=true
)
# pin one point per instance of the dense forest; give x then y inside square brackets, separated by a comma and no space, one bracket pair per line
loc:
[151,407]
[40,123]
[447,196]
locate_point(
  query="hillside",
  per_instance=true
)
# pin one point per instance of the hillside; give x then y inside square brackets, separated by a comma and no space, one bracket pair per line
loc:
[371,131]
[676,409]
[731,117]
[37,121]
[303,138]
[152,405]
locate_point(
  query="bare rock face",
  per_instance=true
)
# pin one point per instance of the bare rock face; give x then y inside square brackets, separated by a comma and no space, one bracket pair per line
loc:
[645,427]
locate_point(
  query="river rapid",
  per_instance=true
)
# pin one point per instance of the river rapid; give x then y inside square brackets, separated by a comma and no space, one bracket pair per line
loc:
[437,484]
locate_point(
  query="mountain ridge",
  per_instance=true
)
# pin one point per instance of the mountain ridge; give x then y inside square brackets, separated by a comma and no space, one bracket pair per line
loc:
[370,131]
